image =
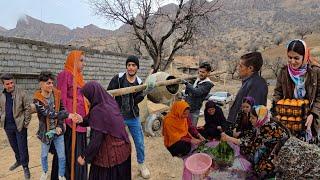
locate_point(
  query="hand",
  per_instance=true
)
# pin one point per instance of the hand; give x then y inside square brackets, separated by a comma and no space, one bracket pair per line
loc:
[202,138]
[81,161]
[195,141]
[58,130]
[151,83]
[184,81]
[309,121]
[224,137]
[235,133]
[76,118]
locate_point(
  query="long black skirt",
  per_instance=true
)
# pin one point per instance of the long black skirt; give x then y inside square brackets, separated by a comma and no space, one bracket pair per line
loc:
[81,172]
[118,172]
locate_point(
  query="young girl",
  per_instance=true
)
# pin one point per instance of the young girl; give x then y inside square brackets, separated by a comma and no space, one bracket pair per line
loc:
[261,147]
[243,126]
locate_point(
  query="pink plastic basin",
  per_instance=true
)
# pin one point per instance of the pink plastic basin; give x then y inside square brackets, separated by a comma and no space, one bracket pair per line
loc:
[198,163]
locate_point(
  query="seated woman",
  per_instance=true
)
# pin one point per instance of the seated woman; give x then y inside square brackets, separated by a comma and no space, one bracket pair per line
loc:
[214,121]
[109,150]
[178,132]
[242,126]
[260,147]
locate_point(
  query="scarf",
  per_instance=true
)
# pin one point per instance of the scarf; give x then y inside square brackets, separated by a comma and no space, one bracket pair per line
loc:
[174,126]
[263,115]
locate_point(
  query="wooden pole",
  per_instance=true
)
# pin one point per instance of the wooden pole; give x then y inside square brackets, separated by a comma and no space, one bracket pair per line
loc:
[134,89]
[74,110]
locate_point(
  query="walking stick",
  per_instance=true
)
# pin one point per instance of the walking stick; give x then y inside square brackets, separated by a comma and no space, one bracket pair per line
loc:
[74,110]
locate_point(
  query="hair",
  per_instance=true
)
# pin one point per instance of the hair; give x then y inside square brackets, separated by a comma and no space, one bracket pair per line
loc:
[45,76]
[297,46]
[254,112]
[6,76]
[205,65]
[253,59]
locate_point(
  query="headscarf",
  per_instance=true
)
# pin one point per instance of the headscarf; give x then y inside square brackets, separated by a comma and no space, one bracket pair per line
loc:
[216,119]
[73,59]
[263,115]
[104,115]
[174,125]
[298,75]
[250,100]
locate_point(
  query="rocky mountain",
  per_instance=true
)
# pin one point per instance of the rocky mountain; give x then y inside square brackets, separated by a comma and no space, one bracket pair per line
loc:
[238,27]
[2,29]
[31,28]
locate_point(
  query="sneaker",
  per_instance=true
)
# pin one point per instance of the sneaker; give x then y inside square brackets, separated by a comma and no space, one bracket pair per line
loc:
[44,176]
[26,173]
[62,178]
[145,173]
[14,166]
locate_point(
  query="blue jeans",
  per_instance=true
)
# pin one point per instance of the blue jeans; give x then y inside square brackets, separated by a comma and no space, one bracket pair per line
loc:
[59,146]
[136,132]
[19,144]
[195,117]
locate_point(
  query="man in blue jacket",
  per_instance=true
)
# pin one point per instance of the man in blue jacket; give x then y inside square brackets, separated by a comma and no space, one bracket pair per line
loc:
[252,84]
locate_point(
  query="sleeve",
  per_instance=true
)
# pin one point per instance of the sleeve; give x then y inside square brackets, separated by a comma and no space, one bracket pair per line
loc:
[62,85]
[27,110]
[192,130]
[93,147]
[259,93]
[315,109]
[138,97]
[200,91]
[45,111]
[278,93]
[62,115]
[113,84]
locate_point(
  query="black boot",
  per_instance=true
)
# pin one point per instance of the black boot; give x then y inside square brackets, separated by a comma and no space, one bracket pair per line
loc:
[14,166]
[26,173]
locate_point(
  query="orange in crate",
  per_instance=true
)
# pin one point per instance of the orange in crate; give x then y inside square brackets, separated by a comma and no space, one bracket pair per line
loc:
[291,119]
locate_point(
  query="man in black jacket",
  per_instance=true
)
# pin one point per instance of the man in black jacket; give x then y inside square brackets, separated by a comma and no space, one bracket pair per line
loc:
[128,105]
[197,92]
[252,84]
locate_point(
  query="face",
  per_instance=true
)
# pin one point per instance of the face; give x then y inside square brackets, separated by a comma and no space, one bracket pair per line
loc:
[253,120]
[246,108]
[8,85]
[185,113]
[203,73]
[82,63]
[211,111]
[47,86]
[132,68]
[295,59]
[244,71]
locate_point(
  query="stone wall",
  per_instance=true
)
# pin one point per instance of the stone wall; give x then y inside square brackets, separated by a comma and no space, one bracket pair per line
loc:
[27,58]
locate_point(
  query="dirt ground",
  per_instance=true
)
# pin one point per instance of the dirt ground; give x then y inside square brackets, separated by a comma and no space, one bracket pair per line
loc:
[161,164]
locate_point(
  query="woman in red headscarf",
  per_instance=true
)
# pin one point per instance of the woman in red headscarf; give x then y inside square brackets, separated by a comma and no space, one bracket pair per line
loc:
[65,85]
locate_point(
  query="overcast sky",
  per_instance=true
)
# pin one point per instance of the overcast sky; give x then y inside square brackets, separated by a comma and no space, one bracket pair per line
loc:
[71,13]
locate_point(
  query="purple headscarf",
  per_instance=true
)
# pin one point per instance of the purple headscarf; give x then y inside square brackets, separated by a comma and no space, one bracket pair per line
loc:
[250,100]
[104,114]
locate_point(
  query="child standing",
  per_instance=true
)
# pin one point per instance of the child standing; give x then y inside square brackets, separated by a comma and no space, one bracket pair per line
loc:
[51,116]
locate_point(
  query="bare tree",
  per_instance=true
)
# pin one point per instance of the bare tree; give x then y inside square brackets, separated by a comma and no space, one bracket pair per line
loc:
[181,23]
[275,65]
[303,31]
[232,67]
